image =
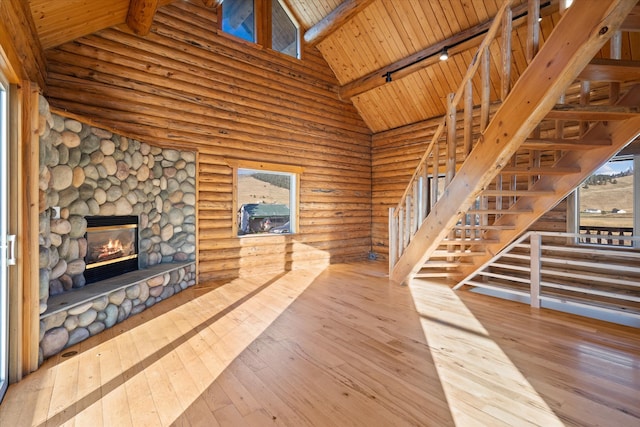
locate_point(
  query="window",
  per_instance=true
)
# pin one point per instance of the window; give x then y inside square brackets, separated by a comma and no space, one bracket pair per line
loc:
[266,22]
[606,203]
[237,19]
[265,199]
[284,32]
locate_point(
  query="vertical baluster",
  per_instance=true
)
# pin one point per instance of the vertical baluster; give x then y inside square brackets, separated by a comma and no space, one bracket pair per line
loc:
[535,259]
[485,76]
[616,53]
[416,208]
[434,178]
[420,203]
[499,187]
[559,130]
[401,239]
[407,223]
[468,118]
[533,29]
[426,199]
[506,54]
[450,171]
[393,239]
[585,96]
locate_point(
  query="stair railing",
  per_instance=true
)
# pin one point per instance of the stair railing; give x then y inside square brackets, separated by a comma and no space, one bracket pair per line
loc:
[437,167]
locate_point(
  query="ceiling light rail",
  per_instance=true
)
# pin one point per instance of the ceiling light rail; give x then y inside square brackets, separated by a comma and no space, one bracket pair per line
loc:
[443,54]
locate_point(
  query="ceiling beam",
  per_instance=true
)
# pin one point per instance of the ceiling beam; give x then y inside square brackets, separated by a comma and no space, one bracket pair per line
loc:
[140,15]
[334,20]
[424,58]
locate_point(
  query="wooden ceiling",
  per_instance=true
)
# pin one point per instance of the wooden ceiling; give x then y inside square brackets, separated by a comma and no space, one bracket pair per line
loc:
[363,41]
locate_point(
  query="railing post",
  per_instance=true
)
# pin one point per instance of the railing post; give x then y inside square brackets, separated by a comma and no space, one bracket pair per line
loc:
[407,223]
[451,139]
[393,240]
[533,29]
[536,255]
[485,75]
[416,206]
[506,54]
[468,118]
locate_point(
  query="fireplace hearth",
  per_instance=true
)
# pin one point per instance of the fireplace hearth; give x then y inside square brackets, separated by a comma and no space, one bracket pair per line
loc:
[112,246]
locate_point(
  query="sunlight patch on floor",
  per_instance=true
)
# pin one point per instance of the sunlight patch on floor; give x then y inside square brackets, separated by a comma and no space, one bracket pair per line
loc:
[177,354]
[471,364]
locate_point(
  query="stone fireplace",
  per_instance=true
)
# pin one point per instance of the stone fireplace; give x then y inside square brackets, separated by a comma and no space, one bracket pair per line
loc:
[109,205]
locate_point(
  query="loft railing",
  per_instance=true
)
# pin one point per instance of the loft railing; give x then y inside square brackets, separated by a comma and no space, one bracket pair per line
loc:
[437,166]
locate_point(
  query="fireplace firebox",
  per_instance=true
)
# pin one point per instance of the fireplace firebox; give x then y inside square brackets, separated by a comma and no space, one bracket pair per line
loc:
[112,246]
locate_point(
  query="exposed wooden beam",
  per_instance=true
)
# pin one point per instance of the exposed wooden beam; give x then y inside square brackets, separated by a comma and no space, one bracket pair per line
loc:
[334,20]
[424,58]
[140,15]
[21,55]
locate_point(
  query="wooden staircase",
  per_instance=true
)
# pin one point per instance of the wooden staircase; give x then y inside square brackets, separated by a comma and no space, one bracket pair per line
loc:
[545,138]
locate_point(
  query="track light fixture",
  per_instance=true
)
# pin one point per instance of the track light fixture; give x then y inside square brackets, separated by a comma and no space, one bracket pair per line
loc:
[444,55]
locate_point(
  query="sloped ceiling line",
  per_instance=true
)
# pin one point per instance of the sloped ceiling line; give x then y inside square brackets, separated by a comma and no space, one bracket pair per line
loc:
[426,57]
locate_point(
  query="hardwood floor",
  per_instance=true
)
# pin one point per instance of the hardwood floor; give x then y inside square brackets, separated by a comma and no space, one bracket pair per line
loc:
[339,347]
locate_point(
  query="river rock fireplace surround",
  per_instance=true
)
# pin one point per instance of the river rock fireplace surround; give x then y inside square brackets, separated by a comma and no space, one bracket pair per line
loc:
[89,174]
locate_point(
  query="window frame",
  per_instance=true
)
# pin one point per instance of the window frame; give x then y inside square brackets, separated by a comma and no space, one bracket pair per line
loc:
[573,206]
[294,209]
[262,23]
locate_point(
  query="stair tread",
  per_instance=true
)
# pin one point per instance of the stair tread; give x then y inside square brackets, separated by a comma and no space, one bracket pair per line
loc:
[592,112]
[499,211]
[524,170]
[439,253]
[610,70]
[484,227]
[531,193]
[565,144]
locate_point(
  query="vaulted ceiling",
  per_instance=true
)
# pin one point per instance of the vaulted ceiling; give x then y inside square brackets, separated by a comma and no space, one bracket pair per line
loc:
[384,53]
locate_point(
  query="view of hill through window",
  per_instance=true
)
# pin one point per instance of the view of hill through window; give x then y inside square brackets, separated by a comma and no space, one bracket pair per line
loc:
[606,198]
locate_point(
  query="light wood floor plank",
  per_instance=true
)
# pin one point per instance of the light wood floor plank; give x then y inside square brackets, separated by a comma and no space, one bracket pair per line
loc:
[339,347]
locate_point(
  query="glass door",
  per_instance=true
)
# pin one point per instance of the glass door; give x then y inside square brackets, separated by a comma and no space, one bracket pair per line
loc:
[4,240]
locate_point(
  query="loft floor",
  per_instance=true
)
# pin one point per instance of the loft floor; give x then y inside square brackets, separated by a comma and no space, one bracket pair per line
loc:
[338,347]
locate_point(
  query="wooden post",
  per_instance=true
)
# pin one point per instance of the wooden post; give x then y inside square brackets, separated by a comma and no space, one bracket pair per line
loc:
[416,208]
[407,223]
[468,118]
[393,240]
[485,76]
[535,259]
[506,54]
[616,48]
[533,29]
[451,140]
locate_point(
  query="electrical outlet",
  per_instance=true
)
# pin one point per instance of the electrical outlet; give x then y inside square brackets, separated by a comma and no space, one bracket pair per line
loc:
[55,212]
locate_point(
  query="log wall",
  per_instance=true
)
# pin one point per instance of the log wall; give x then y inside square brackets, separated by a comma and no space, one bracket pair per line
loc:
[185,85]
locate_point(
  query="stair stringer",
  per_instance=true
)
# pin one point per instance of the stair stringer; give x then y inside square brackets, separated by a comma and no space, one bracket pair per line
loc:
[564,55]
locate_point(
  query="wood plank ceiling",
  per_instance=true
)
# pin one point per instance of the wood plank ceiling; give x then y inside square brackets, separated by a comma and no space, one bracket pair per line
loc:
[373,37]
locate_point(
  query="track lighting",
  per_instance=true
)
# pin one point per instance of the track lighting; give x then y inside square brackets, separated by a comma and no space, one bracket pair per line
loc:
[444,55]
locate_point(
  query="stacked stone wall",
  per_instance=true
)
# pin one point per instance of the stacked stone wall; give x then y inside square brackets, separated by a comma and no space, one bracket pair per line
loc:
[88,171]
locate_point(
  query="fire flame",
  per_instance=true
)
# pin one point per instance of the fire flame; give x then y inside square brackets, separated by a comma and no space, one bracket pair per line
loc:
[110,248]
